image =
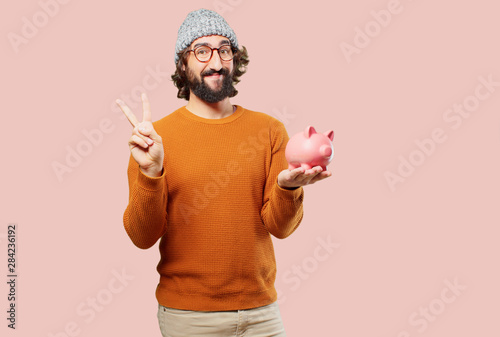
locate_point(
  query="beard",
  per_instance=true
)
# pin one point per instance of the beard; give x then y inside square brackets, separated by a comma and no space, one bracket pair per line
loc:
[204,92]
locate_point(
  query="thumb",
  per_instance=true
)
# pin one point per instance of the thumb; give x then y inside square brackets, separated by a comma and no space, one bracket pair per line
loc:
[147,129]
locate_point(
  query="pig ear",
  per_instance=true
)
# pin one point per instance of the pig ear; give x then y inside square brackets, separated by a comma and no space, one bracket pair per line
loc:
[309,132]
[329,134]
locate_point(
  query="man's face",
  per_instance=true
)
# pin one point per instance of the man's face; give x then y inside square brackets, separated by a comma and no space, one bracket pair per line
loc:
[210,81]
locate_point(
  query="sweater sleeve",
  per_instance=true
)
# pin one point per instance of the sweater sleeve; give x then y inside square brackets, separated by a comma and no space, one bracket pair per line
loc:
[145,218]
[282,209]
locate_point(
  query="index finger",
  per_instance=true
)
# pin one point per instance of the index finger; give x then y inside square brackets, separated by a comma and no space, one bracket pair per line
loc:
[146,110]
[128,113]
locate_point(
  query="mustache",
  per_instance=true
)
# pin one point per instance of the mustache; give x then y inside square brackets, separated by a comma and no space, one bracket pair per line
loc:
[222,71]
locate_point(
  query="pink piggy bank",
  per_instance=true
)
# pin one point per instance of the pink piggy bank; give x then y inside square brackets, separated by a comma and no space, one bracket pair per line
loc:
[308,149]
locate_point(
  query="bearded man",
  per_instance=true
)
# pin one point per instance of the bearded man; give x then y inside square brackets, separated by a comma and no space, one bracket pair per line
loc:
[210,181]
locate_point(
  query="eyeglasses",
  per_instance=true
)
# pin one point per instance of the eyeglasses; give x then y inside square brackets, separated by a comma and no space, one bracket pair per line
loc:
[204,53]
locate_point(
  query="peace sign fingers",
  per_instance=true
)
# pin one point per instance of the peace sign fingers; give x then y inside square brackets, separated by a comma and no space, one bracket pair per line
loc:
[145,144]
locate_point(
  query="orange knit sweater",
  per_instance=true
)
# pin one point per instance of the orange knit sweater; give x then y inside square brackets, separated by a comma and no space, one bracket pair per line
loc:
[214,208]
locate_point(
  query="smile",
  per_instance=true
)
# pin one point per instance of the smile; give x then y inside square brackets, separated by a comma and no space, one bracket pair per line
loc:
[214,76]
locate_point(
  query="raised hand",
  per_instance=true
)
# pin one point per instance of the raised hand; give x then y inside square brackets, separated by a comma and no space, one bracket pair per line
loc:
[145,144]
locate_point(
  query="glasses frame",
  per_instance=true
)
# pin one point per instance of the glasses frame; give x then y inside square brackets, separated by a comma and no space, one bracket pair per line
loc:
[212,52]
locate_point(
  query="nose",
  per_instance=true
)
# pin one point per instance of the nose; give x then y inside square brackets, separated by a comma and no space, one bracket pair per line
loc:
[215,62]
[325,150]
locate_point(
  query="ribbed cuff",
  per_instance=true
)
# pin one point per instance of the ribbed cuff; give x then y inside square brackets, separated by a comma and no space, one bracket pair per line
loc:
[288,194]
[150,183]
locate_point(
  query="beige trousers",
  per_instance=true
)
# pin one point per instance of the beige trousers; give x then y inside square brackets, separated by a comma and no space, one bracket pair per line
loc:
[256,322]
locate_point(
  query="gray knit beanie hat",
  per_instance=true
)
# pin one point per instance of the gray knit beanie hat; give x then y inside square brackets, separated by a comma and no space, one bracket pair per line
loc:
[202,22]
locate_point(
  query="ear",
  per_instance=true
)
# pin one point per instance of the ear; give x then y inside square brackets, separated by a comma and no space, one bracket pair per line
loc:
[309,131]
[329,134]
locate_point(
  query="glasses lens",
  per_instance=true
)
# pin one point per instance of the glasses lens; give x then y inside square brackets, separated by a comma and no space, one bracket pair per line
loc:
[226,53]
[203,53]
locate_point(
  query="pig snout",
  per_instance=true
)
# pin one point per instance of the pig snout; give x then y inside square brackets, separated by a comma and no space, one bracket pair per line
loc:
[325,150]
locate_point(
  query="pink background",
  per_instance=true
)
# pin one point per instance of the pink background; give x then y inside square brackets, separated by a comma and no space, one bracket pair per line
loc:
[395,244]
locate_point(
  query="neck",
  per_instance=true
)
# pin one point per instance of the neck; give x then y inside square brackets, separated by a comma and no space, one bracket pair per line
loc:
[204,109]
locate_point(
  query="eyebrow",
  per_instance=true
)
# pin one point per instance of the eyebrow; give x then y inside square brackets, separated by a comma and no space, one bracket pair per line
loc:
[222,43]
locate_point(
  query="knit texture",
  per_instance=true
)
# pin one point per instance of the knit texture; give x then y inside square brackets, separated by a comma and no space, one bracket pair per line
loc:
[215,208]
[199,23]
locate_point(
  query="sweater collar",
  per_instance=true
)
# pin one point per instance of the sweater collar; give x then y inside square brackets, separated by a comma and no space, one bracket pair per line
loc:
[235,115]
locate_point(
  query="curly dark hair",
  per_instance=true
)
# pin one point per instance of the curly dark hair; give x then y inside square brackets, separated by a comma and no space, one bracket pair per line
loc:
[240,63]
